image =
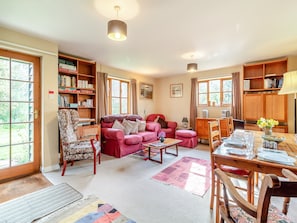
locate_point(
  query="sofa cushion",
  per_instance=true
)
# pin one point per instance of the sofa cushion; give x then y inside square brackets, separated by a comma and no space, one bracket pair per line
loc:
[118,125]
[127,127]
[132,139]
[147,136]
[134,125]
[141,125]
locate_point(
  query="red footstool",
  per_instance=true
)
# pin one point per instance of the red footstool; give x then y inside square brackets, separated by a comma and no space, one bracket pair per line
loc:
[188,137]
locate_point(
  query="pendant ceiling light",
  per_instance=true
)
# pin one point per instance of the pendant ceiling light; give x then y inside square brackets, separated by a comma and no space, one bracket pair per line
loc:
[192,67]
[117,29]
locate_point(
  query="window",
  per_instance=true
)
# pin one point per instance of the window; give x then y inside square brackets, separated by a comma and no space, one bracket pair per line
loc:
[216,92]
[118,96]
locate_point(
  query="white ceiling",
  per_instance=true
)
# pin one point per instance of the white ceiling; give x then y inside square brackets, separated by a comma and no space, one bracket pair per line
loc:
[160,32]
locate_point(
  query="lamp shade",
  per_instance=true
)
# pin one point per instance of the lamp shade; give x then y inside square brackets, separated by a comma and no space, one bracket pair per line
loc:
[117,30]
[185,119]
[192,67]
[290,83]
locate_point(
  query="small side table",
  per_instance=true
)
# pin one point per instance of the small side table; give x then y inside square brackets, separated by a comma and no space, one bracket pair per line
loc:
[184,128]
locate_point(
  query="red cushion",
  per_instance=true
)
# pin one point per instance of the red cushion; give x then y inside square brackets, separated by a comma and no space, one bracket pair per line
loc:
[185,133]
[234,170]
[132,139]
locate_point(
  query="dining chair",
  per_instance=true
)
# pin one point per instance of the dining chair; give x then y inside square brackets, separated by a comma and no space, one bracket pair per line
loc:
[215,140]
[73,147]
[243,211]
[231,125]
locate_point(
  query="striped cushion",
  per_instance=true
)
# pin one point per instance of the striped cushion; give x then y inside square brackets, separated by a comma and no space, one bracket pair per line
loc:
[274,216]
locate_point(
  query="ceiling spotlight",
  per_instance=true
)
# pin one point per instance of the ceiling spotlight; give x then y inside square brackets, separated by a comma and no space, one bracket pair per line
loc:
[117,29]
[192,67]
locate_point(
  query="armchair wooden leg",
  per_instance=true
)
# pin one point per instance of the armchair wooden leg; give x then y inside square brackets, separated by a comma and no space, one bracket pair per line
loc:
[95,163]
[64,167]
[99,156]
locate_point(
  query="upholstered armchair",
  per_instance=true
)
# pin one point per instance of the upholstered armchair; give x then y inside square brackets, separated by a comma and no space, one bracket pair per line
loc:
[74,148]
[168,127]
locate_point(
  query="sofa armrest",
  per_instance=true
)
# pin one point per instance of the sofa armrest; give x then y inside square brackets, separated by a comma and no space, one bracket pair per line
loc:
[171,124]
[153,127]
[110,133]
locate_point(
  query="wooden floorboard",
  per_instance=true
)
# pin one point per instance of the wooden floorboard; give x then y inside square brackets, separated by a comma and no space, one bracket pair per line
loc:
[15,188]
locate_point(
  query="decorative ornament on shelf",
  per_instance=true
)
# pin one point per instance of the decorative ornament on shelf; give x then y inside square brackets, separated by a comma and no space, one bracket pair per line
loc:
[267,125]
[162,136]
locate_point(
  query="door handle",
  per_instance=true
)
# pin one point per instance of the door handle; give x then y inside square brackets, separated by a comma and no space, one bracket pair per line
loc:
[36,112]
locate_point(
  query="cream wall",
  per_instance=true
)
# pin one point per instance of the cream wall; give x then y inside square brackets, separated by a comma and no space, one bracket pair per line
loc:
[180,107]
[48,52]
[145,106]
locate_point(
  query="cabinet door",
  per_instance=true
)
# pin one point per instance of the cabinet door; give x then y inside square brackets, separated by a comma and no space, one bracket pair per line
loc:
[253,107]
[275,107]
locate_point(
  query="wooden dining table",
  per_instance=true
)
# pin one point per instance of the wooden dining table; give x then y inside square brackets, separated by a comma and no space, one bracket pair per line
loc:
[221,156]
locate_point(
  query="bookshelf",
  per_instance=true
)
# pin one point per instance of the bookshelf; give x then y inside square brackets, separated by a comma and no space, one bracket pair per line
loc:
[77,86]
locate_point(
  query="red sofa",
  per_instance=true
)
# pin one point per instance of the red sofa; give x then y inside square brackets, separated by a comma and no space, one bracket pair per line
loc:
[115,142]
[168,127]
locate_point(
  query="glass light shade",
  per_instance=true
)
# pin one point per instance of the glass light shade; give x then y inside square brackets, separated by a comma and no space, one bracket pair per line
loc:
[117,30]
[192,67]
[290,83]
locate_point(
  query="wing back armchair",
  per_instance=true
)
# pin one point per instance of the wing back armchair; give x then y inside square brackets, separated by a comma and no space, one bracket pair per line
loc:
[168,127]
[73,148]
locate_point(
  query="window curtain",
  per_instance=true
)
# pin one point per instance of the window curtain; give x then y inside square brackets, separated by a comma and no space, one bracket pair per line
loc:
[236,99]
[193,105]
[102,94]
[134,97]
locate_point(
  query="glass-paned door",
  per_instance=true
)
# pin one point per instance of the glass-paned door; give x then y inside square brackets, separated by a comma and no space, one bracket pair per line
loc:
[19,114]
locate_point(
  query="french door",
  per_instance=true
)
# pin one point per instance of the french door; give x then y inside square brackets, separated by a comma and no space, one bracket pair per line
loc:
[20,126]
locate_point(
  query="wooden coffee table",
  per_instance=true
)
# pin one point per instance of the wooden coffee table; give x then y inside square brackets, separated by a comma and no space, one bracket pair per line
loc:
[169,142]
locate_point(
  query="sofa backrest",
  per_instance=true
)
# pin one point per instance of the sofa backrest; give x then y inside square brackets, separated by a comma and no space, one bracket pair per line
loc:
[152,117]
[108,120]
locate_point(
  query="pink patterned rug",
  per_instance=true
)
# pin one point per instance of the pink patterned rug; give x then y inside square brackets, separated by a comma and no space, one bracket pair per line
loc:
[190,174]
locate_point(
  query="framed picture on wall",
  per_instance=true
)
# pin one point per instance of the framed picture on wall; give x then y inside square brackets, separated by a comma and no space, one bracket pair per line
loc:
[146,91]
[176,90]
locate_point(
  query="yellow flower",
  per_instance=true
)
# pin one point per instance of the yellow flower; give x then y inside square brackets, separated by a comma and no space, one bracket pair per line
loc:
[267,123]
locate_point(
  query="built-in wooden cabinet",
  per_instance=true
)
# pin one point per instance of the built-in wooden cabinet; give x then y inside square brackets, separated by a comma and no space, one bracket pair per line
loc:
[264,76]
[262,81]
[77,86]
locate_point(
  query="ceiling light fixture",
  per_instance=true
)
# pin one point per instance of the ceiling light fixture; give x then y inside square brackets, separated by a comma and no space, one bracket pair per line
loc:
[192,67]
[117,29]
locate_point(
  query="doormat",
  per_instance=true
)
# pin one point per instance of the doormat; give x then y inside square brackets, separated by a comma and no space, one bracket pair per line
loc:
[143,154]
[190,174]
[38,204]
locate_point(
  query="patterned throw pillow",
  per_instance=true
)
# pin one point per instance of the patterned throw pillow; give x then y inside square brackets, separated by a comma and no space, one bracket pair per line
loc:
[118,125]
[134,127]
[128,127]
[141,125]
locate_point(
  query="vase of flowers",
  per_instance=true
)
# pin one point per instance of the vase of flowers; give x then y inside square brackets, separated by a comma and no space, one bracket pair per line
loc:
[162,136]
[267,125]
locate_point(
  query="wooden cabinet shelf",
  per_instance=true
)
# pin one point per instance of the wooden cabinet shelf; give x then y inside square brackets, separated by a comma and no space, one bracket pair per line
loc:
[77,86]
[261,76]
[262,81]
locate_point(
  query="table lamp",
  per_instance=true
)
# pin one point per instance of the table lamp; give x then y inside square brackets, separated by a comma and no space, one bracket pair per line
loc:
[185,122]
[290,87]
